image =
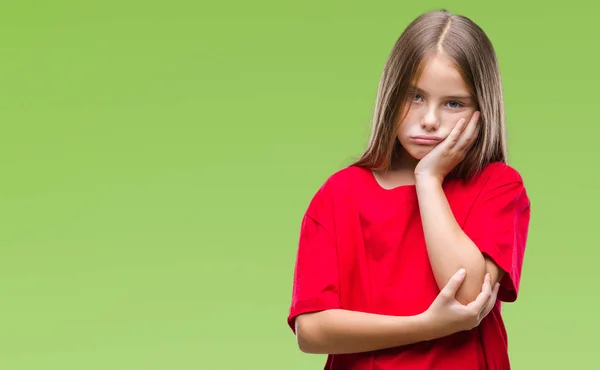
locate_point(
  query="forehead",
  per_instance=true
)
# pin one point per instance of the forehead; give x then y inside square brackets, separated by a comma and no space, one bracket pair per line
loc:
[441,78]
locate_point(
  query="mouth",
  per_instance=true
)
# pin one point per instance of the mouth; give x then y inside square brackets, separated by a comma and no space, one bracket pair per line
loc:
[426,140]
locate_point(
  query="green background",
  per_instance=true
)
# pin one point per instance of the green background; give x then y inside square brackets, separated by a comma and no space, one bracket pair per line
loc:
[157,158]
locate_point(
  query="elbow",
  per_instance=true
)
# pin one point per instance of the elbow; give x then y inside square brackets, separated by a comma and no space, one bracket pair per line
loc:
[472,285]
[307,334]
[303,339]
[305,346]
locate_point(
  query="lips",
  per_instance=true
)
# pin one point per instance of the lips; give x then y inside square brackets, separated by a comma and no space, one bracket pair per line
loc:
[426,139]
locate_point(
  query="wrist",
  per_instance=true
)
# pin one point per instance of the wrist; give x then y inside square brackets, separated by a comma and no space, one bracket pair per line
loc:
[426,325]
[428,179]
[432,327]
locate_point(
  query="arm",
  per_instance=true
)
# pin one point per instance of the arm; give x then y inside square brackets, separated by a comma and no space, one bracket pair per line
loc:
[340,331]
[449,248]
[337,331]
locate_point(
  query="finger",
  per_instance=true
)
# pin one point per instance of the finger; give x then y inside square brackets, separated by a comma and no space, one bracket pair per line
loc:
[456,132]
[491,302]
[479,303]
[472,126]
[454,283]
[487,290]
[494,296]
[474,121]
[470,132]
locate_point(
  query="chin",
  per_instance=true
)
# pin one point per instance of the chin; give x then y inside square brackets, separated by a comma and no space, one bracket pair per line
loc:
[419,153]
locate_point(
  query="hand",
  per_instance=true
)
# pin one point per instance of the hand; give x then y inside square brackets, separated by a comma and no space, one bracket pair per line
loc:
[442,159]
[448,316]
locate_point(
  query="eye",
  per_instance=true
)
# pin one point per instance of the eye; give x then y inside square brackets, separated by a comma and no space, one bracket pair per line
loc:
[417,97]
[455,104]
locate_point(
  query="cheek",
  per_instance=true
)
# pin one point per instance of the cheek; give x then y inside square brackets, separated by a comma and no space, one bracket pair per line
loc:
[405,125]
[450,119]
[401,128]
[403,132]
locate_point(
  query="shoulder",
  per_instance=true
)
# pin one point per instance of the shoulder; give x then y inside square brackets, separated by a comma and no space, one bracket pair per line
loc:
[340,180]
[500,172]
[495,175]
[495,180]
[336,188]
[500,182]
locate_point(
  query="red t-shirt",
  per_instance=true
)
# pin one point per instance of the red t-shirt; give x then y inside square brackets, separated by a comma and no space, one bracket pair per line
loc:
[362,248]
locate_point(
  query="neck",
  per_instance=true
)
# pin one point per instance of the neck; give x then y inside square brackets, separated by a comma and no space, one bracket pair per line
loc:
[403,161]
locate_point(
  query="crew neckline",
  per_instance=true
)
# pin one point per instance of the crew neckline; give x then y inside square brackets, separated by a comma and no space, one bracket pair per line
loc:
[400,188]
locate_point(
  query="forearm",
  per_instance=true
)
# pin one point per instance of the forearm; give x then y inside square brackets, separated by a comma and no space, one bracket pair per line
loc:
[448,247]
[342,331]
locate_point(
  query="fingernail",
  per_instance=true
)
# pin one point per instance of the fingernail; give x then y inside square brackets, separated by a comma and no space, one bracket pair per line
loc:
[461,272]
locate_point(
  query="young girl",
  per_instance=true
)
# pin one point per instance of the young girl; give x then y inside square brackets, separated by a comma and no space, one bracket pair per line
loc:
[405,255]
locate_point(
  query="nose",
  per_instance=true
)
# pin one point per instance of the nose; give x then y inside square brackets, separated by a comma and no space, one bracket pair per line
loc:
[430,120]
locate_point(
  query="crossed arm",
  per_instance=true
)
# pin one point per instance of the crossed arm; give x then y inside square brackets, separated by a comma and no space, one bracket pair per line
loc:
[465,300]
[450,249]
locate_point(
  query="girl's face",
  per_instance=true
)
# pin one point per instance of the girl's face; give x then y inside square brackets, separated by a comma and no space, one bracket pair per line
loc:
[435,105]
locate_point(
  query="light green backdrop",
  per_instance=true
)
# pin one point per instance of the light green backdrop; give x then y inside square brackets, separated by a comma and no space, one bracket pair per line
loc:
[157,157]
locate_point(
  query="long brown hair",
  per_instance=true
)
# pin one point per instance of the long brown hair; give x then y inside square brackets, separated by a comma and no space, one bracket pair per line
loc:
[473,54]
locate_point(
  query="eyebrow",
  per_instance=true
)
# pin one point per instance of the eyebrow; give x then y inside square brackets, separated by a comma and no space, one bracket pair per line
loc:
[455,97]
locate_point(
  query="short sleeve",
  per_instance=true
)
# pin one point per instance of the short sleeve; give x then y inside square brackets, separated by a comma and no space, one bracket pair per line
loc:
[499,223]
[316,279]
